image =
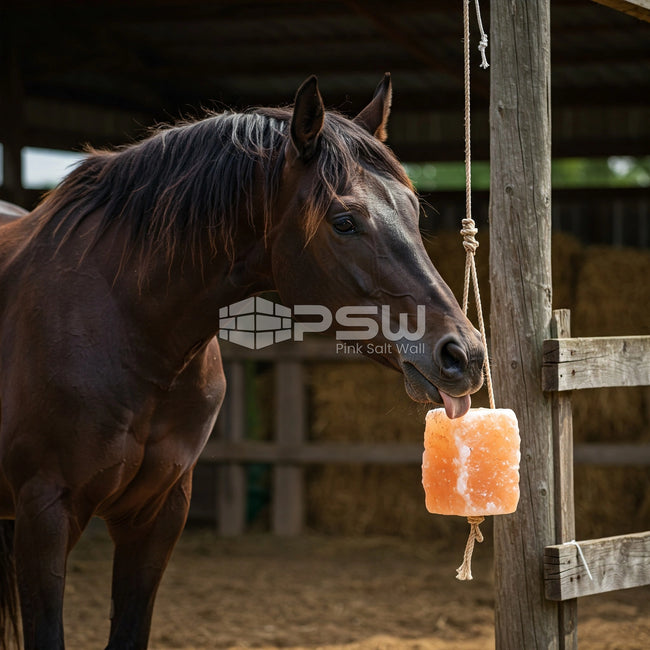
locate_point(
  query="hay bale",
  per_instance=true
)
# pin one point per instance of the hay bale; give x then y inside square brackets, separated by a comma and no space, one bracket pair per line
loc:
[448,256]
[567,254]
[611,500]
[613,292]
[612,300]
[364,402]
[361,402]
[373,500]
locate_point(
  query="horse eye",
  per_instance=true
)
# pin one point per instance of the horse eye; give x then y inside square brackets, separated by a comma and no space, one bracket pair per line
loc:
[344,225]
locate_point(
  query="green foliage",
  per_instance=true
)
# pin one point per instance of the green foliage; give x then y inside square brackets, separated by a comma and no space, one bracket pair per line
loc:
[615,171]
[447,175]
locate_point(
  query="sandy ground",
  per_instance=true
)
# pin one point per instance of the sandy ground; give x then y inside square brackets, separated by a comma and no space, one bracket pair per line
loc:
[324,593]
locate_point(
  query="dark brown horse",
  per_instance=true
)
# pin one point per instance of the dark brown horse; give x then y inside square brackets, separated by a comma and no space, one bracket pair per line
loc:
[110,290]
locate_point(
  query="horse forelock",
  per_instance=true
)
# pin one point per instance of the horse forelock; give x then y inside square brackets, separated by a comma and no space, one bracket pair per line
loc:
[192,183]
[344,149]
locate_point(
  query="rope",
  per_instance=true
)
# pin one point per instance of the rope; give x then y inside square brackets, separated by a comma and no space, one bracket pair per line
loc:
[464,571]
[483,43]
[582,557]
[470,244]
[469,229]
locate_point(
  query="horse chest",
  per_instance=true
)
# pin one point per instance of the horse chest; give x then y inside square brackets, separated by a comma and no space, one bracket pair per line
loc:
[148,466]
[165,440]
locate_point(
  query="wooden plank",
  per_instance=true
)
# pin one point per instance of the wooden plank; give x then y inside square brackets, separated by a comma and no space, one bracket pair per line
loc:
[316,349]
[219,451]
[612,454]
[60,124]
[638,8]
[571,364]
[290,426]
[11,114]
[247,451]
[391,30]
[231,477]
[520,281]
[614,563]
[563,444]
[563,479]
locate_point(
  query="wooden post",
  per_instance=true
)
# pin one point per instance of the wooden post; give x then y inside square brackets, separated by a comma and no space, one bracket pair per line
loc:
[520,276]
[231,477]
[290,412]
[11,113]
[565,528]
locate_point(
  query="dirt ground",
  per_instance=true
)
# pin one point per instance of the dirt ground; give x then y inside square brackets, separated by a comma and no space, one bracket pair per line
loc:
[324,593]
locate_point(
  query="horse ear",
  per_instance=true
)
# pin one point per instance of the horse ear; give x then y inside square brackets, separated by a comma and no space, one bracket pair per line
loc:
[307,119]
[374,117]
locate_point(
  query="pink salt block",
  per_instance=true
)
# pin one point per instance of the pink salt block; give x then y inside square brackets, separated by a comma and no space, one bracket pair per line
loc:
[470,465]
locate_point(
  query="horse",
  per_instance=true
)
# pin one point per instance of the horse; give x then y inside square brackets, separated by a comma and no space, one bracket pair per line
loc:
[110,294]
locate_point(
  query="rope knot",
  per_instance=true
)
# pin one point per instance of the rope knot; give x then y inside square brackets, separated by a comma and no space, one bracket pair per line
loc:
[483,43]
[464,571]
[482,46]
[469,232]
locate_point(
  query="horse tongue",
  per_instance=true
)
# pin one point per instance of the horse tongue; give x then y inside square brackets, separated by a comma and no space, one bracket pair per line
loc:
[455,407]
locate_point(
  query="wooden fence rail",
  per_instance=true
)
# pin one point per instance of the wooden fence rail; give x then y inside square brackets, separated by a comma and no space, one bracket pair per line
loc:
[572,364]
[596,566]
[398,453]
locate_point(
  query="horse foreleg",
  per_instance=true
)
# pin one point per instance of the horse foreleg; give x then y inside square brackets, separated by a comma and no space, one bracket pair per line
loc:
[141,556]
[45,532]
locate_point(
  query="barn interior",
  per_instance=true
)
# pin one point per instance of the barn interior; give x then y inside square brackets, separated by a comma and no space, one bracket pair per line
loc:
[76,73]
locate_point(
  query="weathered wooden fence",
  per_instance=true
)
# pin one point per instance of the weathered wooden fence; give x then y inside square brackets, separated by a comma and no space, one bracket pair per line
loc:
[290,450]
[536,557]
[573,569]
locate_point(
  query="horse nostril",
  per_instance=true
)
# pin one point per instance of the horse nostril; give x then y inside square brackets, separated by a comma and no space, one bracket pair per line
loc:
[451,357]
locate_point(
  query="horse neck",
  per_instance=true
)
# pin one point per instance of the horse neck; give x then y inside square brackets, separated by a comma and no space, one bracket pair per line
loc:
[173,305]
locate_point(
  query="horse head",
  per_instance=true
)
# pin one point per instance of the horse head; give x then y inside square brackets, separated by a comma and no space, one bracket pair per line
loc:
[347,237]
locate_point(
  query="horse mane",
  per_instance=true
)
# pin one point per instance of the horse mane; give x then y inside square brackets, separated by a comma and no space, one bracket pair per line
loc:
[194,181]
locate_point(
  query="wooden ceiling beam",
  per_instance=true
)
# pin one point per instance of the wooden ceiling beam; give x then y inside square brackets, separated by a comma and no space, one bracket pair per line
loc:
[175,11]
[413,44]
[638,8]
[58,124]
[176,99]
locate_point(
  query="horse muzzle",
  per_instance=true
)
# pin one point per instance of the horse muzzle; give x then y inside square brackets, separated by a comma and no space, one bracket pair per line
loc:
[447,377]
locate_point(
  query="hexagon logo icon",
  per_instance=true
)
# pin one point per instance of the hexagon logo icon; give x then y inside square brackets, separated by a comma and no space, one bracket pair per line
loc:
[255,323]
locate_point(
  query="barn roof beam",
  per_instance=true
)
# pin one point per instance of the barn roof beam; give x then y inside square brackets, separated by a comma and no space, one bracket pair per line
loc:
[638,8]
